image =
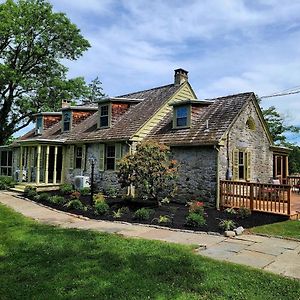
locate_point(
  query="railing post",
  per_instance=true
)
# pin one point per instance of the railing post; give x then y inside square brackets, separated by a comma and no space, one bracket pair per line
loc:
[289,201]
[251,195]
[221,194]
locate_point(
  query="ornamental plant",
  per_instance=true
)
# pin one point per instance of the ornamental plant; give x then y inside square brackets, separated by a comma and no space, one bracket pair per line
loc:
[150,170]
[196,207]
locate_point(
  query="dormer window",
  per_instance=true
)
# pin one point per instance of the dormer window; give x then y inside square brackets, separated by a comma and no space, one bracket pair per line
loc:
[66,120]
[39,125]
[104,112]
[181,116]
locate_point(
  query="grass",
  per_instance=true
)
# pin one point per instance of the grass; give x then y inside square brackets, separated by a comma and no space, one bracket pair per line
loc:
[285,229]
[44,262]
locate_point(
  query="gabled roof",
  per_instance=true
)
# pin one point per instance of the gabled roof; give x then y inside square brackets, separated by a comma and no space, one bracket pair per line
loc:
[207,126]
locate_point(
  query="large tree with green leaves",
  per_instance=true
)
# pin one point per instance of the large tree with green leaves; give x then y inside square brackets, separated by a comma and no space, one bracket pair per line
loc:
[34,41]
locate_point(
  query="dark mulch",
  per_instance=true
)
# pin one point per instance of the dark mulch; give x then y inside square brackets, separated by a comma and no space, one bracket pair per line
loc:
[175,211]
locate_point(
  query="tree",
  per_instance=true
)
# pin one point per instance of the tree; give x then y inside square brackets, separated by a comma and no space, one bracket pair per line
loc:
[150,170]
[294,159]
[34,41]
[95,91]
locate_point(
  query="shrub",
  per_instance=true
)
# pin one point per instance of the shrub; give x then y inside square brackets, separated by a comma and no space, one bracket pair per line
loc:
[32,194]
[231,211]
[117,214]
[196,207]
[227,225]
[85,191]
[75,204]
[150,170]
[66,188]
[99,197]
[163,219]
[101,207]
[195,220]
[36,197]
[244,212]
[111,192]
[143,214]
[75,195]
[28,189]
[44,197]
[6,182]
[57,200]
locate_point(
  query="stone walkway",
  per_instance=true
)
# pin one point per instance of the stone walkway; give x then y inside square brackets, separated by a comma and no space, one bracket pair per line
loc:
[271,254]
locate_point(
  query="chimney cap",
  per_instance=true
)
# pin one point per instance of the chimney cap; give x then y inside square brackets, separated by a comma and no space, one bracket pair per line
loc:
[180,76]
[182,71]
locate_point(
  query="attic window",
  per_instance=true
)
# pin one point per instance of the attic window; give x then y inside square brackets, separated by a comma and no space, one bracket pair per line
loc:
[251,123]
[181,117]
[104,116]
[39,125]
[66,120]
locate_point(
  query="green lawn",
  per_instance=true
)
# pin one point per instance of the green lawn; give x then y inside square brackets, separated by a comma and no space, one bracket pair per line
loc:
[285,229]
[44,262]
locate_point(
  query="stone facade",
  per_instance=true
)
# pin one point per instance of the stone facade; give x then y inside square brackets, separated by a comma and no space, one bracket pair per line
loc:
[254,139]
[197,173]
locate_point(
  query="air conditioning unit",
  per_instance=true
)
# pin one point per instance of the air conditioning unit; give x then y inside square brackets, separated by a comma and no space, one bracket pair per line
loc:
[81,182]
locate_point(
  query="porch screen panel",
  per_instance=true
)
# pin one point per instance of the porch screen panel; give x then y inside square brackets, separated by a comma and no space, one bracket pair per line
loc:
[248,165]
[71,155]
[101,157]
[118,154]
[235,164]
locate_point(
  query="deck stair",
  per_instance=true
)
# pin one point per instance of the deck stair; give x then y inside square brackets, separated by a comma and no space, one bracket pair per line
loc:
[41,187]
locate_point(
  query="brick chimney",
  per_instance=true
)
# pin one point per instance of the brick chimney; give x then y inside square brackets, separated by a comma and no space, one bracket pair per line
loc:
[180,76]
[65,103]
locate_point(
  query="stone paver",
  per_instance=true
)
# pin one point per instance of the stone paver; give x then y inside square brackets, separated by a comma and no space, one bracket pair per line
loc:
[276,255]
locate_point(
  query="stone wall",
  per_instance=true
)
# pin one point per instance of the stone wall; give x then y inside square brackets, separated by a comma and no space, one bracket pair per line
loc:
[197,173]
[244,138]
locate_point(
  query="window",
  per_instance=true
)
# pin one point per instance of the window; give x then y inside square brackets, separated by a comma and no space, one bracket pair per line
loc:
[66,121]
[78,157]
[110,157]
[241,164]
[39,125]
[104,116]
[181,117]
[6,163]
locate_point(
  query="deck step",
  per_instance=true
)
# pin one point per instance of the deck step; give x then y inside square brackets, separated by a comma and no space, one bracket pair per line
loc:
[295,216]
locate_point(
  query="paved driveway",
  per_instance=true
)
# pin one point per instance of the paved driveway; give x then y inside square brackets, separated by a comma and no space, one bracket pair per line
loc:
[272,254]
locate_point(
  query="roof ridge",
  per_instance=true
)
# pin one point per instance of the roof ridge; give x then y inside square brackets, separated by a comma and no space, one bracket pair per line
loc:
[229,96]
[147,90]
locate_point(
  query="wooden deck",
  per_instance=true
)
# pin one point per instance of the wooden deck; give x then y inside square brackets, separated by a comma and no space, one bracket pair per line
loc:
[280,199]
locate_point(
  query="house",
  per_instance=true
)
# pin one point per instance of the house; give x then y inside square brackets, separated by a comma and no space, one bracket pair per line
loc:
[214,139]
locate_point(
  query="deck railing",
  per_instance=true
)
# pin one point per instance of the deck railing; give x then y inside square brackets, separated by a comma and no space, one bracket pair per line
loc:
[294,182]
[273,198]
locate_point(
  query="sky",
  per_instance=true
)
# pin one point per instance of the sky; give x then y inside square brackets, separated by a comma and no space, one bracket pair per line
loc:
[228,46]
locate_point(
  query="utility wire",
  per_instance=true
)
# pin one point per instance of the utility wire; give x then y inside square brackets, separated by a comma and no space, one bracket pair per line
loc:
[280,94]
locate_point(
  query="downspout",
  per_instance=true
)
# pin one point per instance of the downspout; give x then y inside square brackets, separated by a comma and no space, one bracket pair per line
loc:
[218,178]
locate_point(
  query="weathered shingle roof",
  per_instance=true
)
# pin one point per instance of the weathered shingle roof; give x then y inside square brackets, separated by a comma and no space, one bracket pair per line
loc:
[218,116]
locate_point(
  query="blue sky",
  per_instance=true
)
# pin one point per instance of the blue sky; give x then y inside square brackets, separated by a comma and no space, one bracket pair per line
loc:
[228,46]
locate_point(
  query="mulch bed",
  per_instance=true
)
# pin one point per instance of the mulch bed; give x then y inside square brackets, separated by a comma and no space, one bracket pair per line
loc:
[177,212]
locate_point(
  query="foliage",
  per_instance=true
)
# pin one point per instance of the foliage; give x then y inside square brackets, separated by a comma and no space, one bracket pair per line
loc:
[76,204]
[6,182]
[44,197]
[75,195]
[28,191]
[143,214]
[111,191]
[294,159]
[226,225]
[231,211]
[244,212]
[101,207]
[99,197]
[66,188]
[57,263]
[150,170]
[119,212]
[32,194]
[56,199]
[85,191]
[195,220]
[95,93]
[34,42]
[163,219]
[196,207]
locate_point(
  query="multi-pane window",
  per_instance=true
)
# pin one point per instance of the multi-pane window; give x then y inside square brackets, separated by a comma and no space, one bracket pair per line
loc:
[104,116]
[78,157]
[241,165]
[6,163]
[66,120]
[110,157]
[39,125]
[181,117]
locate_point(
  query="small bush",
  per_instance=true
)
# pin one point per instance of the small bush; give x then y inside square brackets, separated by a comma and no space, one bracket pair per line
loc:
[101,207]
[117,214]
[28,189]
[244,212]
[231,211]
[36,197]
[111,192]
[75,204]
[44,197]
[6,182]
[85,191]
[227,225]
[57,200]
[163,219]
[31,194]
[196,207]
[143,214]
[75,195]
[195,220]
[99,197]
[66,188]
